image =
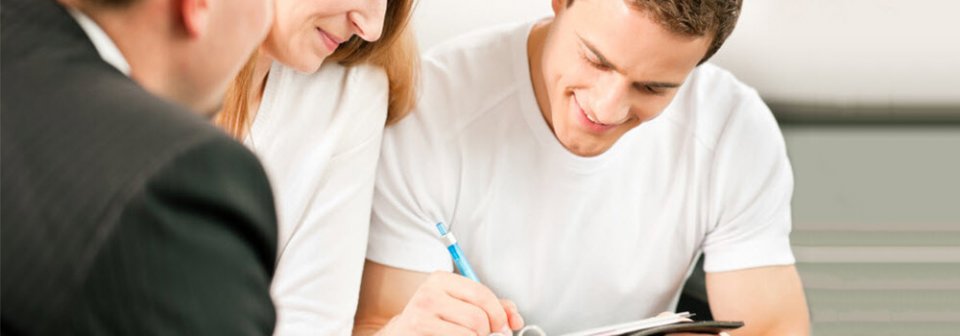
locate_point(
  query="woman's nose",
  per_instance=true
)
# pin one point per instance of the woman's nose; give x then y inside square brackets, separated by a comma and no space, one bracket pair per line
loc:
[367,19]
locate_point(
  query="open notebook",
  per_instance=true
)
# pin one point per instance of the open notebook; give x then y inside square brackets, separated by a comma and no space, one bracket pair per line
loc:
[672,323]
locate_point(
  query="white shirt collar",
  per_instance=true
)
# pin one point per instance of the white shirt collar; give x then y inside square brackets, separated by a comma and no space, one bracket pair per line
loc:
[101,41]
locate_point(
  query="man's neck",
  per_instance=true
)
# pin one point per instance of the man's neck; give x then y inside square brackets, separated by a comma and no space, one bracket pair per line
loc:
[149,55]
[535,45]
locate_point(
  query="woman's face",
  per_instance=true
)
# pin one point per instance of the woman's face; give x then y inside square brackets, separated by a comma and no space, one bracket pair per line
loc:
[305,32]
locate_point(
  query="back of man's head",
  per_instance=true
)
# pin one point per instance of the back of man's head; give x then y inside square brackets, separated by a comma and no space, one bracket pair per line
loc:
[182,50]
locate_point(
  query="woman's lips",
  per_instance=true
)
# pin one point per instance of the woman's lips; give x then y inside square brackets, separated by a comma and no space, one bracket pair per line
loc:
[330,41]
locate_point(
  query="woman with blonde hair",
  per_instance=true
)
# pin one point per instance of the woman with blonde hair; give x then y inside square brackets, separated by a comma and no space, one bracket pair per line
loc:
[312,103]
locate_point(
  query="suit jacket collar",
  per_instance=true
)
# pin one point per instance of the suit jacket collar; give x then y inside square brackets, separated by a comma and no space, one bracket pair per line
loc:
[101,41]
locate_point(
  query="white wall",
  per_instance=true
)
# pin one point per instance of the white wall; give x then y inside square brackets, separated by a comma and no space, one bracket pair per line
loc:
[873,52]
[439,20]
[849,51]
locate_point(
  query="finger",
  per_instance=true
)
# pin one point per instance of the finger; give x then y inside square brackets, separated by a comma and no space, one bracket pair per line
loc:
[463,314]
[438,327]
[514,319]
[477,294]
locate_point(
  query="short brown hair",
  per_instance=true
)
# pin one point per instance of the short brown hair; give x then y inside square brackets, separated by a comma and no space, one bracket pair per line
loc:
[693,17]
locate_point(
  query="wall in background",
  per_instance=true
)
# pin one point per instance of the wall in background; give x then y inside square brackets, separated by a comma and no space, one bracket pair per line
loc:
[850,52]
[876,227]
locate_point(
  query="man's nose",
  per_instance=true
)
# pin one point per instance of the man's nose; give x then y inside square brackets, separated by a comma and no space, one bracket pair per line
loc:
[612,100]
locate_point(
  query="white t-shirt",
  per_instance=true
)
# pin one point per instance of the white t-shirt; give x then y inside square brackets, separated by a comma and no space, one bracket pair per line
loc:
[578,242]
[318,136]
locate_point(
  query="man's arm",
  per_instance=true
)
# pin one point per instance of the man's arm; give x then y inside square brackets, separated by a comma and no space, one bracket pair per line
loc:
[394,301]
[769,300]
[192,254]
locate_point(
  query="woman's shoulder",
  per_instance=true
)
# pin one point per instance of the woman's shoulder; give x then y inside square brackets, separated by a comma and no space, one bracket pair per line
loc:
[334,88]
[372,76]
[331,111]
[366,82]
[363,77]
[334,80]
[364,85]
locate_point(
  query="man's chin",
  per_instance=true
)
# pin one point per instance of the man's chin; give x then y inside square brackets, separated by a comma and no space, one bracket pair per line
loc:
[586,148]
[589,153]
[584,143]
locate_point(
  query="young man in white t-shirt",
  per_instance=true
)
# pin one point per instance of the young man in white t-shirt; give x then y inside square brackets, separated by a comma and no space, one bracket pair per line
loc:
[584,162]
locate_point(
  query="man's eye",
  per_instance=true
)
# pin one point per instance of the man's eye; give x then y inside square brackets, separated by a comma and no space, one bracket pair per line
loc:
[649,89]
[595,64]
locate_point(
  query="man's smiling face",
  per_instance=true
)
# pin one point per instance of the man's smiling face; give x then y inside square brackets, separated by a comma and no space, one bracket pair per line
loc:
[607,68]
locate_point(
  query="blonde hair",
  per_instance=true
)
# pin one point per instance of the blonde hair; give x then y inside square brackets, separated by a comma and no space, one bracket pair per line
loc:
[395,52]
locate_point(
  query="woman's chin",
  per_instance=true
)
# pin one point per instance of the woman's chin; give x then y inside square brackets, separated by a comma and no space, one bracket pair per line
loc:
[310,65]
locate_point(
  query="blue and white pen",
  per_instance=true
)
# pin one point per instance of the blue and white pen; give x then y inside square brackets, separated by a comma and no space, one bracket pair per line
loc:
[458,258]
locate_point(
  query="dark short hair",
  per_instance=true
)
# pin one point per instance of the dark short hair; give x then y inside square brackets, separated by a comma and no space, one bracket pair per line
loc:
[693,17]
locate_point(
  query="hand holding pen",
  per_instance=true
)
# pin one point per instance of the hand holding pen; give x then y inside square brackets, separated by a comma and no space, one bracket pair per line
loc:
[449,304]
[463,266]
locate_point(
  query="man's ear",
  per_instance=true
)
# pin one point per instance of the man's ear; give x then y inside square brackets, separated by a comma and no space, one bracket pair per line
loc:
[559,5]
[195,14]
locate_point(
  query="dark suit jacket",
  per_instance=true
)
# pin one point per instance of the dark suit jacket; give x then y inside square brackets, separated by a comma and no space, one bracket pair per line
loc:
[121,213]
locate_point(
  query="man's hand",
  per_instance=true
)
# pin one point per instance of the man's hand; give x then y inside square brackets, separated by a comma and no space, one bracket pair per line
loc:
[449,304]
[441,304]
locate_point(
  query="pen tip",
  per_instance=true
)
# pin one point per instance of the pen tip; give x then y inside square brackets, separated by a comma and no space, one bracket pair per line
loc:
[442,229]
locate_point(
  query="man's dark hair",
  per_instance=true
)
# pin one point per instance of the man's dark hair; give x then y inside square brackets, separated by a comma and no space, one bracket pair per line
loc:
[693,17]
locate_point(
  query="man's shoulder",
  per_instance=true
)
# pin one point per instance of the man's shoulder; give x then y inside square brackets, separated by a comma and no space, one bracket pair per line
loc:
[152,124]
[212,206]
[481,39]
[712,85]
[710,99]
[79,144]
[482,58]
[118,123]
[87,132]
[465,78]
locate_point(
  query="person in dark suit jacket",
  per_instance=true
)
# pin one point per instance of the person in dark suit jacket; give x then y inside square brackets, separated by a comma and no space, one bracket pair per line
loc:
[123,210]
